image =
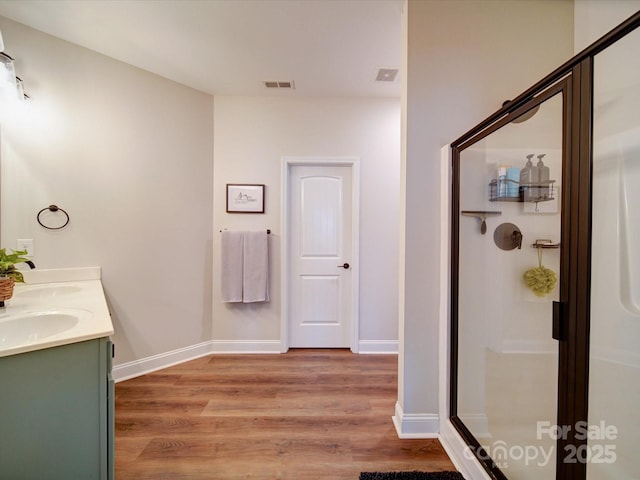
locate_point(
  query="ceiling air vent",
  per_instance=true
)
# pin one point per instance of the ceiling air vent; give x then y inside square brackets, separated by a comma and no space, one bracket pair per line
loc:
[387,75]
[289,85]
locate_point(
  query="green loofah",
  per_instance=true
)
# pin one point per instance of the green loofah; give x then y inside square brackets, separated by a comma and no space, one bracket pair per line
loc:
[540,280]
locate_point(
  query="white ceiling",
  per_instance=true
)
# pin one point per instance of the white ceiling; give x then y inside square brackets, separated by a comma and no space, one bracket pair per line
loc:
[230,47]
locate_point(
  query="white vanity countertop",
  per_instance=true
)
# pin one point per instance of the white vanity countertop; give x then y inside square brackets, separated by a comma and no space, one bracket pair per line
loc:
[74,292]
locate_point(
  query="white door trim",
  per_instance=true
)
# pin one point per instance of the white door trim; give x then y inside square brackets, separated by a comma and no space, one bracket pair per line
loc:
[354,163]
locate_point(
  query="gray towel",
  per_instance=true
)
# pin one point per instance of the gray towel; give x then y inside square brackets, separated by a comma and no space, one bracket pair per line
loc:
[245,266]
[231,281]
[255,285]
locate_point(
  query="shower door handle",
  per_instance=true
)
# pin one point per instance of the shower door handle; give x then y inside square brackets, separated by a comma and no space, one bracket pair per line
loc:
[559,321]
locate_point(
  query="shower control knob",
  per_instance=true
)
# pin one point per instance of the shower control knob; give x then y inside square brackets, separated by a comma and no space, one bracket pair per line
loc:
[508,237]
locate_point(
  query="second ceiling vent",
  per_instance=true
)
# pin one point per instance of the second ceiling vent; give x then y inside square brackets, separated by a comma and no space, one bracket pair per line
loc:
[387,75]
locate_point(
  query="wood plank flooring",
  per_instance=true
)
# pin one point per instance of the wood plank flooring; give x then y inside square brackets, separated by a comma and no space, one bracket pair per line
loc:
[307,414]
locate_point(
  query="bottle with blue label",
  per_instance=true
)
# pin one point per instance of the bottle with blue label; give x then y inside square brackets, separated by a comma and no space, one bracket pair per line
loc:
[513,182]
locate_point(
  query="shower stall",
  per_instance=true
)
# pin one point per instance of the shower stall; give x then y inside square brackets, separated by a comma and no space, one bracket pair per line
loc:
[545,274]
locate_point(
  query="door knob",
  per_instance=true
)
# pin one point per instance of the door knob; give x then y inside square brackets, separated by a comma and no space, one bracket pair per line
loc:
[345,265]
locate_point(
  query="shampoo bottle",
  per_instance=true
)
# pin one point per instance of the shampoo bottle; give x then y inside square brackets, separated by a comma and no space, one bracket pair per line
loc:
[543,177]
[527,178]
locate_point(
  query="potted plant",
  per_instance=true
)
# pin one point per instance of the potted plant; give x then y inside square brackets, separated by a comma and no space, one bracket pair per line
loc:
[9,274]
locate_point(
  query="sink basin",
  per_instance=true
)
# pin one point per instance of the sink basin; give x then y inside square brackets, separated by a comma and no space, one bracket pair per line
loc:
[35,326]
[49,291]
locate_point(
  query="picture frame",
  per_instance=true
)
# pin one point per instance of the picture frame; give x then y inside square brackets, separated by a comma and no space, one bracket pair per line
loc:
[245,197]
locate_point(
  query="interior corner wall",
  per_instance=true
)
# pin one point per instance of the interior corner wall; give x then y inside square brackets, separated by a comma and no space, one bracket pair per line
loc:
[252,134]
[129,155]
[595,18]
[464,58]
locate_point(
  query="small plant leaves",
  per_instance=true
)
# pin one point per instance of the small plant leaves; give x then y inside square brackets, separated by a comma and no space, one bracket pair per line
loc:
[8,262]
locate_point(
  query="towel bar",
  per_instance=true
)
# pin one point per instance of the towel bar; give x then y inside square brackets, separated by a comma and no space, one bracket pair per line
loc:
[268,231]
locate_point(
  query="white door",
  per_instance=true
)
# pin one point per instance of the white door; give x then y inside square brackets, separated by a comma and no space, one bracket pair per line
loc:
[321,299]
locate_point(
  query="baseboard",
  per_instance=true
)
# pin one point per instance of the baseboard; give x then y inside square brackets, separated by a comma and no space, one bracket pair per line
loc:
[378,346]
[246,346]
[459,454]
[146,365]
[412,425]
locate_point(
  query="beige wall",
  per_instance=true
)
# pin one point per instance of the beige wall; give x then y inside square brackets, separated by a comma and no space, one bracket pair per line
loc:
[594,18]
[252,135]
[129,156]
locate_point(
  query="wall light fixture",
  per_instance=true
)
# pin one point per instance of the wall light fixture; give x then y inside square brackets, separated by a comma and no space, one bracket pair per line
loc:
[10,84]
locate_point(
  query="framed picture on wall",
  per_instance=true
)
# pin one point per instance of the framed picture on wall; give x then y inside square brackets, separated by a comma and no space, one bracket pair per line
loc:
[245,198]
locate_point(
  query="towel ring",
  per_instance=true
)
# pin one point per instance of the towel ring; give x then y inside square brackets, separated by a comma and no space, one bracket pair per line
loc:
[53,208]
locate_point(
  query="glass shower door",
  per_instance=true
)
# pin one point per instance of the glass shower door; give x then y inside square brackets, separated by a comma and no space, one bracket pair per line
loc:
[508,275]
[614,358]
[527,406]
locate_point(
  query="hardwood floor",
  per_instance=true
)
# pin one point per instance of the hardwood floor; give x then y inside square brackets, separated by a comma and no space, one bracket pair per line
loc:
[303,415]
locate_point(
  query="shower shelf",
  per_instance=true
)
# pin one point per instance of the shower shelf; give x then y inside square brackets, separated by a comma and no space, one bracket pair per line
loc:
[544,243]
[529,193]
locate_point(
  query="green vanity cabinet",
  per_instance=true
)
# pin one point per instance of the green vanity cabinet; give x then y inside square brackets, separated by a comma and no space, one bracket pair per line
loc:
[56,413]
